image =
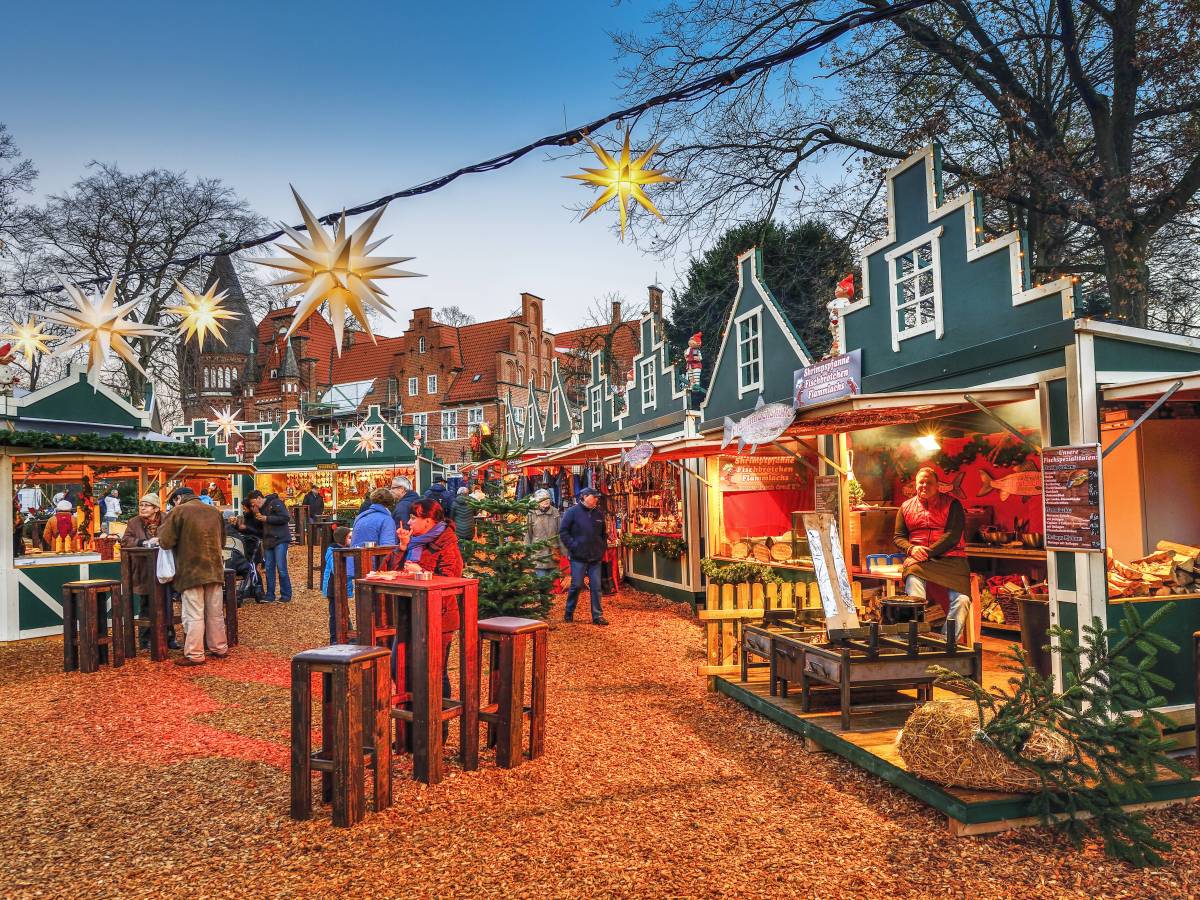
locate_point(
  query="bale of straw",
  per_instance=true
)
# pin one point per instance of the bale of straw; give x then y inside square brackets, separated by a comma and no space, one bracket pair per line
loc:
[941,742]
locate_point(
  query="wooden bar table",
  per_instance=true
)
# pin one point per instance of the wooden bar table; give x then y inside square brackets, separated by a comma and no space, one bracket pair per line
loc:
[320,536]
[159,613]
[411,610]
[366,560]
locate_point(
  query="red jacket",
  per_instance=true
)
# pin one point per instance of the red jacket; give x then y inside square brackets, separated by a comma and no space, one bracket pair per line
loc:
[928,525]
[441,556]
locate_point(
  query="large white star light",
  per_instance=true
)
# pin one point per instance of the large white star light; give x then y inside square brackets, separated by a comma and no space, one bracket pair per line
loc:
[227,421]
[200,314]
[100,325]
[336,269]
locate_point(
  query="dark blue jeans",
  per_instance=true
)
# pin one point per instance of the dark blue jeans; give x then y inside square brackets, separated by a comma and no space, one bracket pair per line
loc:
[579,568]
[276,558]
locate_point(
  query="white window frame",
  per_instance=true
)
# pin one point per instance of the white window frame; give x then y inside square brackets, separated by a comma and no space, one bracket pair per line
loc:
[431,384]
[895,282]
[555,417]
[594,401]
[474,416]
[421,346]
[288,436]
[420,423]
[449,425]
[414,386]
[744,386]
[649,384]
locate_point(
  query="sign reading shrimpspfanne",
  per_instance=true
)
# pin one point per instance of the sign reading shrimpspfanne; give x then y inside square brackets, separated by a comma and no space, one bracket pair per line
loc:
[829,379]
[1073,498]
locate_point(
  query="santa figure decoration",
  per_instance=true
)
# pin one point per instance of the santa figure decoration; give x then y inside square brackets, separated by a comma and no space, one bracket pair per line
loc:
[842,297]
[8,373]
[693,361]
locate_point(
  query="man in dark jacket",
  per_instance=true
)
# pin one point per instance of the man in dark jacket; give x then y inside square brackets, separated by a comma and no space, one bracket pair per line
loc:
[402,490]
[582,534]
[314,503]
[463,514]
[272,514]
[195,532]
[437,491]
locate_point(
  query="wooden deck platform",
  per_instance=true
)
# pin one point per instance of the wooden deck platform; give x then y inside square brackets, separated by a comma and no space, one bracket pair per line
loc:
[871,744]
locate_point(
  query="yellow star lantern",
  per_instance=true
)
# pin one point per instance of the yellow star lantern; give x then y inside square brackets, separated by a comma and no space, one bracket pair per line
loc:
[367,441]
[101,325]
[28,339]
[336,269]
[200,313]
[623,179]
[227,421]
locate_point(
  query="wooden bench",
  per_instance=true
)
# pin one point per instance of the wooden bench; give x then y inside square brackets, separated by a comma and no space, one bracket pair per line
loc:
[87,641]
[355,730]
[505,712]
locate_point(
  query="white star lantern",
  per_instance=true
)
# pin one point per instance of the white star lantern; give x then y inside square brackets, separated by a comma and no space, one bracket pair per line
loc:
[101,325]
[227,421]
[336,269]
[367,441]
[28,339]
[200,314]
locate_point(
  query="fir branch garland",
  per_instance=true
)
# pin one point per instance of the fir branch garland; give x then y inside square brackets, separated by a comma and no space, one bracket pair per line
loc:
[95,443]
[656,543]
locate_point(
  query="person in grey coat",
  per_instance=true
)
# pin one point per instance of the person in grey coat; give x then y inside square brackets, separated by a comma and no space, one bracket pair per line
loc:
[543,526]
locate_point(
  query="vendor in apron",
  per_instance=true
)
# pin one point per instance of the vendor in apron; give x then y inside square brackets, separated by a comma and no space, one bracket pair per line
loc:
[929,529]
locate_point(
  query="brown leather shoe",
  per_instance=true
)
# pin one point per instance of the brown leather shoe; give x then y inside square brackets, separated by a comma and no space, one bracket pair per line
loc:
[188,661]
[216,655]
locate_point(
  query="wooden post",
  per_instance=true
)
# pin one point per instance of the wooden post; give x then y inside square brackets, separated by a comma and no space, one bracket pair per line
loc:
[381,733]
[426,651]
[727,602]
[301,806]
[509,754]
[468,661]
[347,746]
[537,696]
[713,631]
[70,617]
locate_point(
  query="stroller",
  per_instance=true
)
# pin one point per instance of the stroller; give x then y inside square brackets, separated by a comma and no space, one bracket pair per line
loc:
[247,572]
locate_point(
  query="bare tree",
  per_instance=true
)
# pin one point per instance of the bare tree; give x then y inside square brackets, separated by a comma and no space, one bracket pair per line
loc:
[17,175]
[1078,117]
[454,316]
[602,331]
[114,222]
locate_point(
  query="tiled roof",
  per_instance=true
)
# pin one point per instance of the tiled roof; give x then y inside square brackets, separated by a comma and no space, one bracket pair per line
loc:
[478,345]
[591,339]
[365,360]
[271,351]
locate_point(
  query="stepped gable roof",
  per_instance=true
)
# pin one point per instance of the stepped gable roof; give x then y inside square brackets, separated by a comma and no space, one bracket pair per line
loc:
[591,339]
[239,332]
[478,345]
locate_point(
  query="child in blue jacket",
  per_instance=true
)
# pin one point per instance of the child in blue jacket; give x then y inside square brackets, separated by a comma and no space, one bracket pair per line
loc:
[341,538]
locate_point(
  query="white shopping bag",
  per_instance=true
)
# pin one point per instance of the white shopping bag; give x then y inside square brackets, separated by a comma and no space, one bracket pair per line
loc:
[166,565]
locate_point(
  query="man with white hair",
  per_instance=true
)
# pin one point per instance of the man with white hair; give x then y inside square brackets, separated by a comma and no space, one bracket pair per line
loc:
[402,490]
[543,530]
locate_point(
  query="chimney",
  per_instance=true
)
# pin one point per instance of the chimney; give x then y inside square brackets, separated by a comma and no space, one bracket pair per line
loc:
[656,298]
[616,312]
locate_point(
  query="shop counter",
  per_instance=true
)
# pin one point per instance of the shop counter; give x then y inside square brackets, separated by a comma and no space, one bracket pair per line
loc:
[56,559]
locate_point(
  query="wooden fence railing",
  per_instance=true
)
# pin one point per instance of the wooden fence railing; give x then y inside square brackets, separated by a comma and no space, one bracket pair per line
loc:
[729,606]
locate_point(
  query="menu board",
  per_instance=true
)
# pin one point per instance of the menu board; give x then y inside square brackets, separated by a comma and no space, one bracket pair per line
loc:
[827,494]
[1073,498]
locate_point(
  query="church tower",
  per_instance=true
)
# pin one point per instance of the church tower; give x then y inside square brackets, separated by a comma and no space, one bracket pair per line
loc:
[214,377]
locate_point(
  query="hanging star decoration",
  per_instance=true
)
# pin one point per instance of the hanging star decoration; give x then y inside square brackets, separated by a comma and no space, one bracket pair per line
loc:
[367,441]
[336,269]
[28,339]
[200,314]
[623,179]
[101,325]
[227,421]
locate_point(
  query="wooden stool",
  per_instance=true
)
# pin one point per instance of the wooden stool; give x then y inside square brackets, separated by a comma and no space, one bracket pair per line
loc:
[506,710]
[320,536]
[366,560]
[347,708]
[86,638]
[231,607]
[411,611]
[159,605]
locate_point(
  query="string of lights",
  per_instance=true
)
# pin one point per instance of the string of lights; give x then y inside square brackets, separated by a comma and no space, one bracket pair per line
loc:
[817,39]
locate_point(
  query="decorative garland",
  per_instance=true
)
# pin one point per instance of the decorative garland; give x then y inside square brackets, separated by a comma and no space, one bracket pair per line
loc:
[94,443]
[657,543]
[1009,454]
[718,572]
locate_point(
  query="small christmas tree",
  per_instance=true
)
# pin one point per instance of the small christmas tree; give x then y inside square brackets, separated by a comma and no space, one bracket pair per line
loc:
[1106,714]
[503,562]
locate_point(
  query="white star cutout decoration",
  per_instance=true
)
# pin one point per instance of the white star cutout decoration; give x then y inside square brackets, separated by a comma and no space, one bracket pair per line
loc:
[367,441]
[101,325]
[336,269]
[227,421]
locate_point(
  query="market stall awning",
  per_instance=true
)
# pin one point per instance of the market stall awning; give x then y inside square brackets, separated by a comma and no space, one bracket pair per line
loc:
[1150,389]
[528,458]
[581,453]
[679,448]
[900,408]
[183,465]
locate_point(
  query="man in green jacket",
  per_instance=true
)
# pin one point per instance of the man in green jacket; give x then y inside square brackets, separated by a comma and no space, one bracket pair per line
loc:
[543,527]
[195,532]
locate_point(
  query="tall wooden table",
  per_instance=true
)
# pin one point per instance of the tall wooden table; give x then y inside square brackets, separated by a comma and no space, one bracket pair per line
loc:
[410,610]
[366,560]
[160,613]
[320,536]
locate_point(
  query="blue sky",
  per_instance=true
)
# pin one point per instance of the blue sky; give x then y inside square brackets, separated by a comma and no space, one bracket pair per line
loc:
[348,101]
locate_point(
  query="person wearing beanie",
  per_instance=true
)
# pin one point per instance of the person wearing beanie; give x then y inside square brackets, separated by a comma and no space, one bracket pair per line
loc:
[543,527]
[437,491]
[462,513]
[60,528]
[142,531]
[195,531]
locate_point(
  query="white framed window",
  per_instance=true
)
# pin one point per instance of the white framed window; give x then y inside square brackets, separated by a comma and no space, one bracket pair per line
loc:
[594,403]
[519,415]
[450,425]
[914,270]
[749,351]
[555,417]
[291,442]
[264,415]
[421,426]
[431,384]
[649,384]
[414,386]
[475,415]
[421,344]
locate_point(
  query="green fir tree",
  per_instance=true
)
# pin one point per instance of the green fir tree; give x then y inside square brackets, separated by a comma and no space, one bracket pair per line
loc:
[503,562]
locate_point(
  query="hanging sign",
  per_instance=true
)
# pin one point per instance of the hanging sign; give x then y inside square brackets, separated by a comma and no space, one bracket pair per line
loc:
[829,379]
[1073,498]
[757,473]
[638,455]
[827,494]
[829,567]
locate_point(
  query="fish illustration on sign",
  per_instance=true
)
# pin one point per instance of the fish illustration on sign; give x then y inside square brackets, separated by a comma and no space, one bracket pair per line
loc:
[1073,479]
[952,487]
[765,424]
[1020,484]
[638,455]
